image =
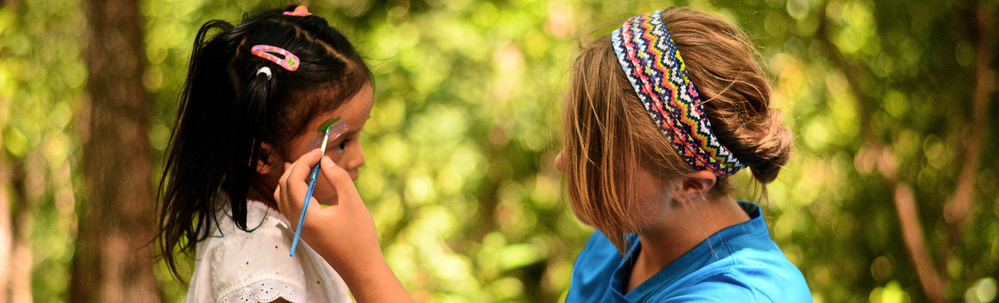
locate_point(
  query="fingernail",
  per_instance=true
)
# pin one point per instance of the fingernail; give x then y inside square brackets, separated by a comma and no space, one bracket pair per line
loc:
[327,162]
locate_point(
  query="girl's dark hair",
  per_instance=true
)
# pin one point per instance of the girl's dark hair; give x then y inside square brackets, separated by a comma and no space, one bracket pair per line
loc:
[228,110]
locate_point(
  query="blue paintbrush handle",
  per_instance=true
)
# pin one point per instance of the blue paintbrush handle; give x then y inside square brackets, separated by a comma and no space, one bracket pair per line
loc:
[301,218]
[312,184]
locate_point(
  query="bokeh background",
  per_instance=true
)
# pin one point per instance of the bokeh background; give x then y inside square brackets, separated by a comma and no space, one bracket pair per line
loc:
[891,195]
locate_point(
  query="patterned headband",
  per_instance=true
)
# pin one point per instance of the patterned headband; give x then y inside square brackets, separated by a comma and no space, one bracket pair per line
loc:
[659,76]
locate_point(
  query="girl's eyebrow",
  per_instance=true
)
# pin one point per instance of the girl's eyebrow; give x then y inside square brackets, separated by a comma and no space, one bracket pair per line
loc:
[331,122]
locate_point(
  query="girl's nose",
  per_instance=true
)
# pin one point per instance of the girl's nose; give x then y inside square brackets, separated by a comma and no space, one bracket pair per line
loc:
[360,156]
[558,162]
[356,161]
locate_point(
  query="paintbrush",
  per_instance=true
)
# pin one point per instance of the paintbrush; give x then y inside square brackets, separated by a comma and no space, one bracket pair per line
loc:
[336,126]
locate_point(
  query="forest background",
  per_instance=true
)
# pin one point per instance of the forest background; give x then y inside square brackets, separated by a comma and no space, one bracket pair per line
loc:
[891,195]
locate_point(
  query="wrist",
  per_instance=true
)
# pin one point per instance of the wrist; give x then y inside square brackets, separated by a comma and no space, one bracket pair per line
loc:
[356,264]
[373,281]
[368,266]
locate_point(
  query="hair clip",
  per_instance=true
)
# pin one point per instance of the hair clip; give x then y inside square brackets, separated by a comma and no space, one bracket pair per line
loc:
[289,62]
[300,11]
[264,70]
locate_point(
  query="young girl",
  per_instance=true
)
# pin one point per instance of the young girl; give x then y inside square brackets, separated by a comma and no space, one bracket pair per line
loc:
[255,95]
[657,116]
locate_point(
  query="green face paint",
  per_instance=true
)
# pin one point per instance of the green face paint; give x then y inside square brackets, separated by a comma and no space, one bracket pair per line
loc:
[325,125]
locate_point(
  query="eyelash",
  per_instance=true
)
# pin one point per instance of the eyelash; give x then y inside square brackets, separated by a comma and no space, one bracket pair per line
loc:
[343,144]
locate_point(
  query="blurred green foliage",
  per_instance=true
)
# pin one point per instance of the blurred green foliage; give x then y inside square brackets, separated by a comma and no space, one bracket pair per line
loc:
[460,144]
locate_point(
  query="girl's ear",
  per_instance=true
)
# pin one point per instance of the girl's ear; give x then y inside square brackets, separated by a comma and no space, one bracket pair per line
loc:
[267,160]
[697,184]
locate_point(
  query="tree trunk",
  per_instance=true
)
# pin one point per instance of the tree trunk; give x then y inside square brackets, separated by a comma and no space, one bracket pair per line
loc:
[113,262]
[21,224]
[6,234]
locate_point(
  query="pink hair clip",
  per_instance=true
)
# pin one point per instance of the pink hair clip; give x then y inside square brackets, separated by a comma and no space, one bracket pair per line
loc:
[289,62]
[300,11]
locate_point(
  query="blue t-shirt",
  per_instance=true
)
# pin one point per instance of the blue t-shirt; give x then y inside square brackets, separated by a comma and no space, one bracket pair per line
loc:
[737,264]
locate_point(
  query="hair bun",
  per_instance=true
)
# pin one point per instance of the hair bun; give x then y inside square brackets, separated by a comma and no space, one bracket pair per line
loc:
[735,91]
[769,148]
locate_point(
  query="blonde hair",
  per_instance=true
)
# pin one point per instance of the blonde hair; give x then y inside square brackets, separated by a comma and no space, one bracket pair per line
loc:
[608,134]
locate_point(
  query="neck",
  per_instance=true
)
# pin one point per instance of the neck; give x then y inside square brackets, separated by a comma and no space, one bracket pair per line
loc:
[677,230]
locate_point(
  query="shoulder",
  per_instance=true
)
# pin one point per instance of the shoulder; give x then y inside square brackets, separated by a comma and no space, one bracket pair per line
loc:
[754,265]
[248,265]
[717,289]
[747,279]
[742,265]
[763,267]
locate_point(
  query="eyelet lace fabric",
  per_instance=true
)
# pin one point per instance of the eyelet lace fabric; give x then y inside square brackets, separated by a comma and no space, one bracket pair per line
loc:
[234,265]
[265,291]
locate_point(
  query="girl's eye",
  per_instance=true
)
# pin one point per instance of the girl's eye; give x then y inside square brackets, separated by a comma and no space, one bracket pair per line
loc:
[341,146]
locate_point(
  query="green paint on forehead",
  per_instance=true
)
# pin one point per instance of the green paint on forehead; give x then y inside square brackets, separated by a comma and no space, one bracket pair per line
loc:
[325,125]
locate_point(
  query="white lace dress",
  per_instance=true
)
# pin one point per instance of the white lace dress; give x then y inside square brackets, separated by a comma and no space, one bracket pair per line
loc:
[238,266]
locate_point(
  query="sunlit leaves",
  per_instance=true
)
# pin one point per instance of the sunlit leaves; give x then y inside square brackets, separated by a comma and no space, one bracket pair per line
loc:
[465,124]
[41,79]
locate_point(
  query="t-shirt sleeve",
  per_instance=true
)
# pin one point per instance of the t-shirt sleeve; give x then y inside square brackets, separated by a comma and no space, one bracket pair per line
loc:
[717,288]
[255,267]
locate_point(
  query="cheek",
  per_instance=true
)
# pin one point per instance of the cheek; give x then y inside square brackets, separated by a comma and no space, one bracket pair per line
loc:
[295,148]
[335,156]
[652,198]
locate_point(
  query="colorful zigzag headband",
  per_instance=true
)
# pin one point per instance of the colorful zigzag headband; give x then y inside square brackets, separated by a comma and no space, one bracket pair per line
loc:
[659,76]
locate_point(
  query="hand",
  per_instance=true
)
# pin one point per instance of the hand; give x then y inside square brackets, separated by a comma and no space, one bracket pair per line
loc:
[343,234]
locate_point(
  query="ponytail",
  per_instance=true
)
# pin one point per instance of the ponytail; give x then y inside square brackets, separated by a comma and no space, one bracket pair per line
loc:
[253,107]
[190,180]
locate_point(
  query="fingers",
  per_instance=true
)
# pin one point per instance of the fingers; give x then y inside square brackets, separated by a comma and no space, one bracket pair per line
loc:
[340,180]
[293,183]
[303,166]
[298,173]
